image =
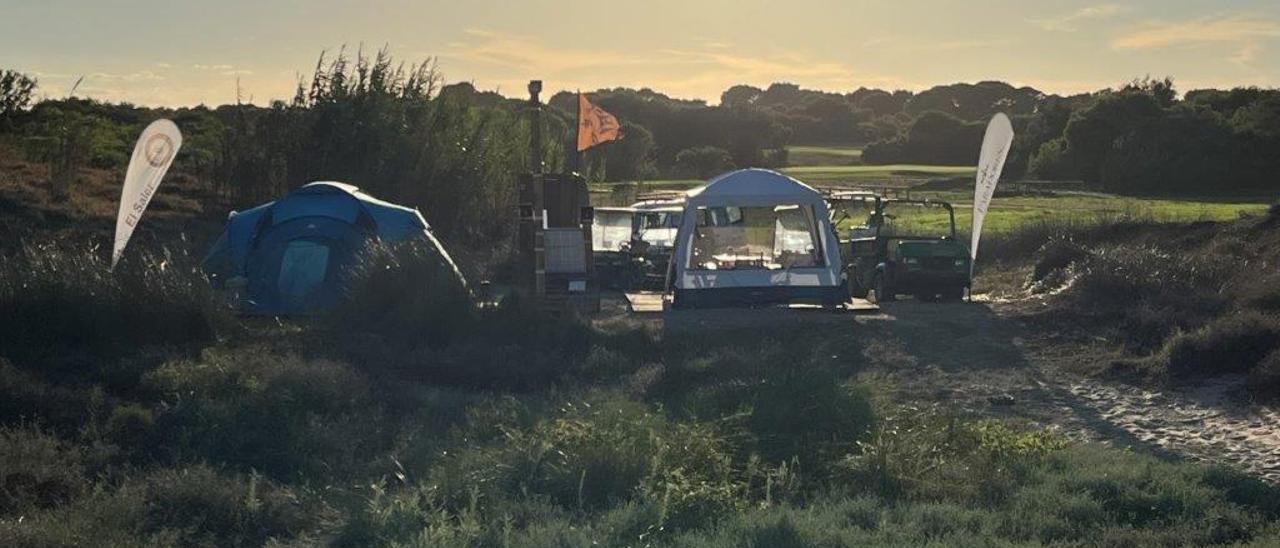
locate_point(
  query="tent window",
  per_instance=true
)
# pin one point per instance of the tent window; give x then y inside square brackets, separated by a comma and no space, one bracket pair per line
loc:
[756,238]
[303,268]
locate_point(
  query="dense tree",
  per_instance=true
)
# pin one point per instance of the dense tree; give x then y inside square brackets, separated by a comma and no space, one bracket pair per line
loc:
[933,138]
[1160,89]
[974,102]
[1032,132]
[16,91]
[879,102]
[703,162]
[1092,132]
[1260,118]
[740,96]
[630,159]
[453,150]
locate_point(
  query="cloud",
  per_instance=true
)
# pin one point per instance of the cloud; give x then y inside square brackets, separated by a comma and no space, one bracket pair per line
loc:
[1244,36]
[701,71]
[211,67]
[977,43]
[140,76]
[1069,22]
[1238,30]
[1247,54]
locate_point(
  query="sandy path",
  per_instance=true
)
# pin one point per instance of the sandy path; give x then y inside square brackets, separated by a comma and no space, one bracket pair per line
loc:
[977,358]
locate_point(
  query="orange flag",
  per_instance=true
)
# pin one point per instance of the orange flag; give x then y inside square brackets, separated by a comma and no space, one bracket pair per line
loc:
[595,126]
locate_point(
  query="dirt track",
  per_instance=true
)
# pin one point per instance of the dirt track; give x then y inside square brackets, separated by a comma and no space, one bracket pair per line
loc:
[979,358]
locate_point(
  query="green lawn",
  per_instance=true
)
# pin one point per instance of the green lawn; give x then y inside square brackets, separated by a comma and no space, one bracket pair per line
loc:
[893,173]
[1008,213]
[820,155]
[831,175]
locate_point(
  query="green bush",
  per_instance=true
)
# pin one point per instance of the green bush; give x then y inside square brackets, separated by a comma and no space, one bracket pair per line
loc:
[589,454]
[929,453]
[409,295]
[1266,376]
[38,471]
[24,397]
[56,302]
[193,506]
[1235,343]
[278,414]
[808,415]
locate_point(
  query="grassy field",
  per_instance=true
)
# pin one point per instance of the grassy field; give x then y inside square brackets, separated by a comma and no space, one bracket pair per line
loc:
[893,173]
[1008,213]
[832,175]
[822,155]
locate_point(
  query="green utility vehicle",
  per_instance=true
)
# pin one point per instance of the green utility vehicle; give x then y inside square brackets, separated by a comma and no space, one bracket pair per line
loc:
[907,247]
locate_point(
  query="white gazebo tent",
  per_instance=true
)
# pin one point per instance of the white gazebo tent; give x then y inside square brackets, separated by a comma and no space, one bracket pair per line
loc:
[755,236]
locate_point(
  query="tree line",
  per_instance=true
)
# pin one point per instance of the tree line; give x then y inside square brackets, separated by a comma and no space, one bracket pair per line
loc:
[454,151]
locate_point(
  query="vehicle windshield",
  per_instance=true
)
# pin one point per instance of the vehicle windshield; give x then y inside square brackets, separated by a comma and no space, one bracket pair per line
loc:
[756,238]
[854,218]
[917,220]
[659,228]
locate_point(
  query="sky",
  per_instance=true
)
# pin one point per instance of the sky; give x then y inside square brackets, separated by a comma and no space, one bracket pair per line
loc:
[188,52]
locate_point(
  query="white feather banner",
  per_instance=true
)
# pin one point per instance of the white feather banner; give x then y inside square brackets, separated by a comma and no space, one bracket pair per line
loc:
[153,154]
[995,148]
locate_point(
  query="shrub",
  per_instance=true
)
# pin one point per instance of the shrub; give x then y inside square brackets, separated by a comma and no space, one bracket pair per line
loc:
[285,416]
[1234,343]
[245,510]
[409,295]
[590,454]
[26,398]
[38,471]
[1056,255]
[929,453]
[1266,376]
[808,415]
[1158,502]
[194,506]
[130,425]
[59,301]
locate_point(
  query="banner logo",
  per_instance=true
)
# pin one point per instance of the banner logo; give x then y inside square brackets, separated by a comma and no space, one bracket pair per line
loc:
[158,149]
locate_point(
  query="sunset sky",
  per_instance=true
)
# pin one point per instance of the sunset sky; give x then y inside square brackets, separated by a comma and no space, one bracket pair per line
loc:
[188,52]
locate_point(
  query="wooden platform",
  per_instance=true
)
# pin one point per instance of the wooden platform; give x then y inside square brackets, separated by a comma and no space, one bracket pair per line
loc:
[650,302]
[645,302]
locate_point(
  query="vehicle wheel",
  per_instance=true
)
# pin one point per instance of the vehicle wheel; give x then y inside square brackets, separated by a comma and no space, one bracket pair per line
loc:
[884,293]
[952,294]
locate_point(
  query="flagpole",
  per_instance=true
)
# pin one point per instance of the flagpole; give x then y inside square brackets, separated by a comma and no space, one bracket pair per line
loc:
[577,130]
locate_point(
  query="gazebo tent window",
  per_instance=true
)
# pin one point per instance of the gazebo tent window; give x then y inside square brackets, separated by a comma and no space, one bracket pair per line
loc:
[774,237]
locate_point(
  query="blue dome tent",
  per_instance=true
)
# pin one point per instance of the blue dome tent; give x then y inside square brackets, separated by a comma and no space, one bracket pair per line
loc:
[287,256]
